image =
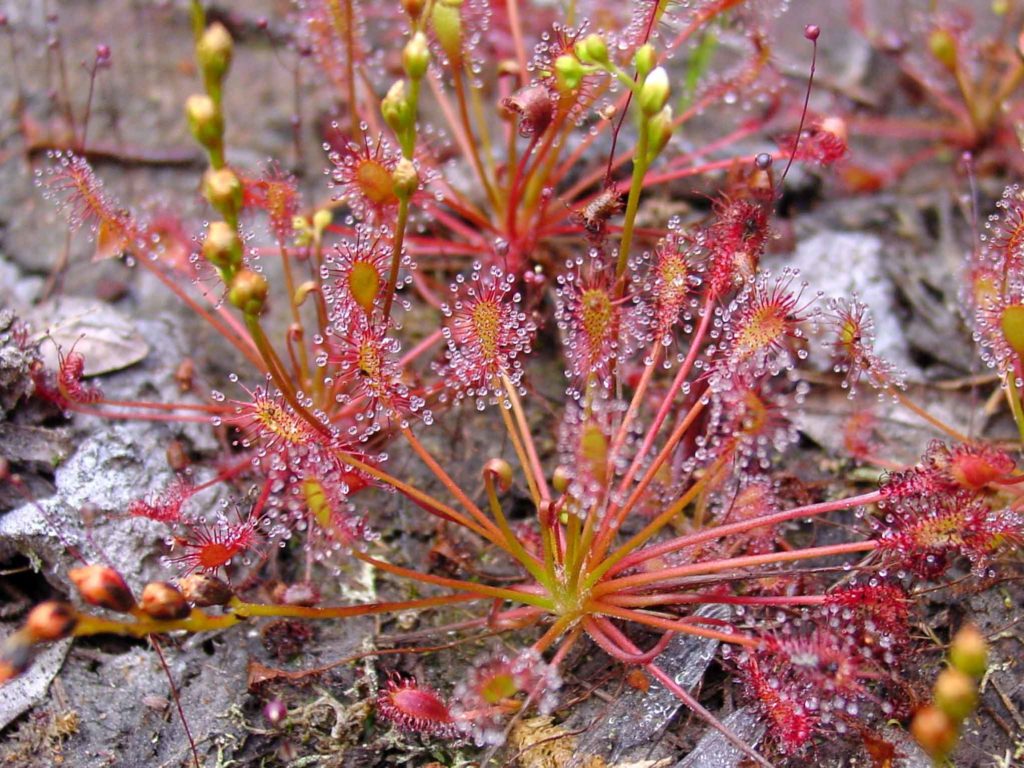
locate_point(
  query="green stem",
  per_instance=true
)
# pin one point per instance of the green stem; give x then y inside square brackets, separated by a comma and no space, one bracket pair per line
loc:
[644,535]
[633,202]
[396,254]
[274,365]
[483,590]
[517,550]
[198,18]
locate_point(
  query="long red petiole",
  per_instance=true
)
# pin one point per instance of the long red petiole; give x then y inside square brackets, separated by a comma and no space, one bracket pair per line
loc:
[729,529]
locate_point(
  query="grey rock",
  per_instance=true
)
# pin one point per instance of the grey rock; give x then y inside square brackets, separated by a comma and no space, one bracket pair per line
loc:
[636,720]
[715,751]
[908,752]
[106,338]
[15,380]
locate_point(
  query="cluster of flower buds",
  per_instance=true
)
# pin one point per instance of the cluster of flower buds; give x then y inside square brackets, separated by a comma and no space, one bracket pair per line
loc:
[214,49]
[222,248]
[399,107]
[936,726]
[103,587]
[650,87]
[46,623]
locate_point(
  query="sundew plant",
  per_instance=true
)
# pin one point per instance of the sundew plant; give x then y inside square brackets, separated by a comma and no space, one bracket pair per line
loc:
[484,211]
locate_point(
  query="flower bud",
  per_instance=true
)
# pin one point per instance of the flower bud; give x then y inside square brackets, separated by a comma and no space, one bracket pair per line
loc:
[275,711]
[446,18]
[223,191]
[501,471]
[560,479]
[222,246]
[942,45]
[568,73]
[546,514]
[955,693]
[592,49]
[51,621]
[214,51]
[164,602]
[405,178]
[15,656]
[321,220]
[416,56]
[204,590]
[645,59]
[659,131]
[102,586]
[205,122]
[934,731]
[413,7]
[654,92]
[395,108]
[248,292]
[177,457]
[969,652]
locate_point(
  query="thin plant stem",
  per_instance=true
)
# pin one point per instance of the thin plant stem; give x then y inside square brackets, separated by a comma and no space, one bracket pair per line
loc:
[1013,399]
[528,444]
[174,693]
[483,590]
[445,480]
[204,407]
[667,403]
[225,326]
[289,279]
[517,445]
[614,516]
[672,625]
[101,413]
[428,502]
[642,537]
[518,552]
[277,370]
[634,404]
[561,624]
[659,599]
[940,425]
[396,255]
[515,24]
[473,153]
[730,563]
[742,526]
[247,610]
[566,646]
[632,204]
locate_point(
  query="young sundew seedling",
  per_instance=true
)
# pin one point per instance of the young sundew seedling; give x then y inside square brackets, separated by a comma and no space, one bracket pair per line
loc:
[681,358]
[962,69]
